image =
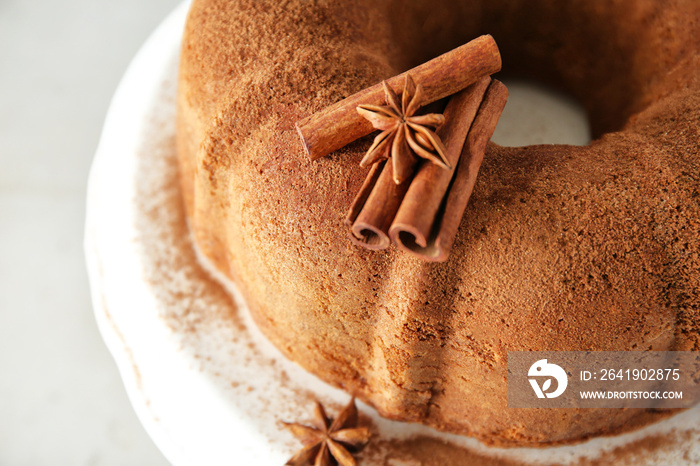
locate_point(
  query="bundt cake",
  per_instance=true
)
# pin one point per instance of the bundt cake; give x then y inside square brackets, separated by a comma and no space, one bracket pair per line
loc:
[561,247]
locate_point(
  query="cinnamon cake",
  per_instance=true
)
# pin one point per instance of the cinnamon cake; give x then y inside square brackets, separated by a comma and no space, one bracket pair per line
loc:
[561,247]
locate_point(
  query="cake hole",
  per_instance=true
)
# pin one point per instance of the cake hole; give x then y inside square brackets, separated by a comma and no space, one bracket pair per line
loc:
[536,114]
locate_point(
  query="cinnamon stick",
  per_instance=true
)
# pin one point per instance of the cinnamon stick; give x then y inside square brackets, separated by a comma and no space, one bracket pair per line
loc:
[372,220]
[364,193]
[339,124]
[445,228]
[380,202]
[415,218]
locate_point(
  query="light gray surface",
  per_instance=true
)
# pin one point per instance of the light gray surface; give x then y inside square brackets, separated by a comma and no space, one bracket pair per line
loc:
[61,398]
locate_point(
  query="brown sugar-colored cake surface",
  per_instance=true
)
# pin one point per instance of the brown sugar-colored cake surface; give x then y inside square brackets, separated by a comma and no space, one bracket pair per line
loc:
[561,247]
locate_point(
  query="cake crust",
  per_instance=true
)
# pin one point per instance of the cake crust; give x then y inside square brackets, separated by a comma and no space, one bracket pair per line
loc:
[562,247]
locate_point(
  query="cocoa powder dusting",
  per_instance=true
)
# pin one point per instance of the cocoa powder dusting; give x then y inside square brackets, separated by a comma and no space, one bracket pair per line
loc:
[204,318]
[215,335]
[653,446]
[566,247]
[428,451]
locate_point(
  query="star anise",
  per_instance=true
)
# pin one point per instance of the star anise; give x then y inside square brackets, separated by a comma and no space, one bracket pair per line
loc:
[404,135]
[326,443]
